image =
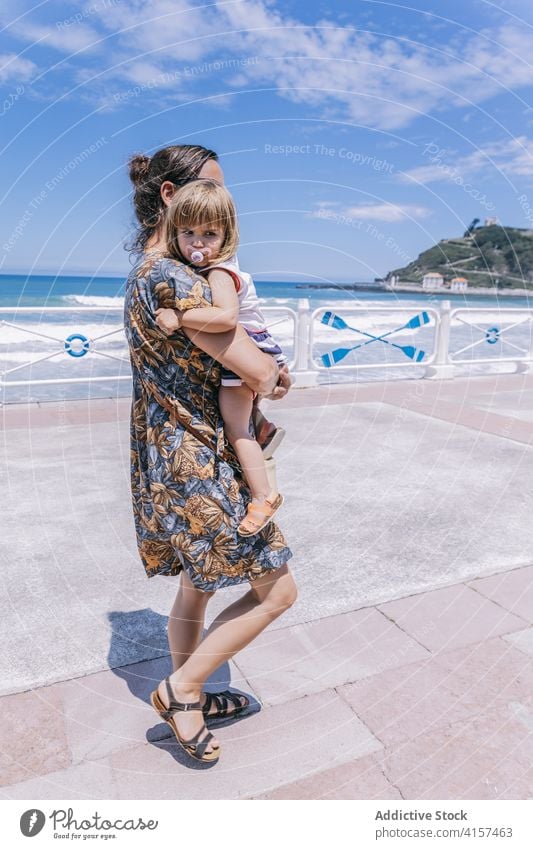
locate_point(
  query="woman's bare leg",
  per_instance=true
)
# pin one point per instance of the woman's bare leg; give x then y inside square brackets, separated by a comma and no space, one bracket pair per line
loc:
[232,630]
[186,620]
[236,408]
[186,625]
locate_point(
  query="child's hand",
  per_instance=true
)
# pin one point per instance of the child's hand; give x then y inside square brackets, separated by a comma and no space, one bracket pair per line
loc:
[168,320]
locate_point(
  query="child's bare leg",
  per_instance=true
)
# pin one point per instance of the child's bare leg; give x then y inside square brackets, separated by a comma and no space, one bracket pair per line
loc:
[257,416]
[236,407]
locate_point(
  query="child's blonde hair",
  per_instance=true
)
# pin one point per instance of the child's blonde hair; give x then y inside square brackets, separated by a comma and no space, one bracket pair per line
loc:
[204,202]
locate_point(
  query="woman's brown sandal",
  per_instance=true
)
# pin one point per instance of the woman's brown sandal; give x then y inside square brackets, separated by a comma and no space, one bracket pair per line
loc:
[259,515]
[222,701]
[194,747]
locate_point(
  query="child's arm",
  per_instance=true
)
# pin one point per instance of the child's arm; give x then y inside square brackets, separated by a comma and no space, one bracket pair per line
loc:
[224,313]
[222,316]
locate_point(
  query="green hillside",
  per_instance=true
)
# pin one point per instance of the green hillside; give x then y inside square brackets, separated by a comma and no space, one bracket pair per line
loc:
[489,256]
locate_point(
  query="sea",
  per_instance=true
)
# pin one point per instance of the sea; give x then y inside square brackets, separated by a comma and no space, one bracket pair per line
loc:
[61,337]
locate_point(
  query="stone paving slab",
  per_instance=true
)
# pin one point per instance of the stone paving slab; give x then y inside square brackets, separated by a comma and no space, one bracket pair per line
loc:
[59,413]
[460,615]
[505,394]
[89,780]
[111,710]
[446,688]
[515,402]
[489,756]
[478,419]
[360,779]
[259,752]
[499,404]
[285,664]
[485,756]
[32,736]
[416,503]
[488,673]
[522,640]
[70,722]
[512,590]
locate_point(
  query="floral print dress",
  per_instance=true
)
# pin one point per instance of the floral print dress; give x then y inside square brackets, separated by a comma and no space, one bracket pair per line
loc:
[188,490]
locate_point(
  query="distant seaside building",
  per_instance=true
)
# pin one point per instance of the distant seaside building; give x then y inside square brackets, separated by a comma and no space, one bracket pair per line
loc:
[490,222]
[459,284]
[432,280]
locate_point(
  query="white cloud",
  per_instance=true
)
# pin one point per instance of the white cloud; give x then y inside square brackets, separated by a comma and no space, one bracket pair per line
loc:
[13,67]
[337,71]
[65,37]
[144,73]
[504,54]
[176,30]
[510,157]
[389,212]
[379,81]
[516,157]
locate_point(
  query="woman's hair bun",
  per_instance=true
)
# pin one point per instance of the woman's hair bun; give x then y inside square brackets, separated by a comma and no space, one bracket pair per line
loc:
[139,165]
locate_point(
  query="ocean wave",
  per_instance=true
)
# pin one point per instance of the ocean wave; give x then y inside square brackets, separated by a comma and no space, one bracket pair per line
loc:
[94,300]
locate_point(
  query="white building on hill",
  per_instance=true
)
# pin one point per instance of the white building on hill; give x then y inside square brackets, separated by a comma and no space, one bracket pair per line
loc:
[459,284]
[432,280]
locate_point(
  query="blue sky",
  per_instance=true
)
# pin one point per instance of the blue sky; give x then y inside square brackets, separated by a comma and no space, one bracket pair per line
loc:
[353,135]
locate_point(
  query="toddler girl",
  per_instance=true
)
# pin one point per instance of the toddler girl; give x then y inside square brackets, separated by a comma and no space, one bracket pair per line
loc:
[202,231]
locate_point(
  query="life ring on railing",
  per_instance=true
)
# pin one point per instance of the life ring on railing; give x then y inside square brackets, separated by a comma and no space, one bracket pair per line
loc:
[80,338]
[492,335]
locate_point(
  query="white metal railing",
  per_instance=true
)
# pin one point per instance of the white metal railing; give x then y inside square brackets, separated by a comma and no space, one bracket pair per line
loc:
[447,357]
[493,335]
[430,348]
[70,345]
[78,345]
[412,355]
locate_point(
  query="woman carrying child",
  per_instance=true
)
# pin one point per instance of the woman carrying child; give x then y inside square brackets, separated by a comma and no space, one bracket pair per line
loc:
[189,494]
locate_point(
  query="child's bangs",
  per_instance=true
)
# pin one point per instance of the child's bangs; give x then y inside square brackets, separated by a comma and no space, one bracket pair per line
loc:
[197,210]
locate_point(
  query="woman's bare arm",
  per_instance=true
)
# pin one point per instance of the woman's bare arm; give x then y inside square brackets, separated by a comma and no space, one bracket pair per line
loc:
[235,350]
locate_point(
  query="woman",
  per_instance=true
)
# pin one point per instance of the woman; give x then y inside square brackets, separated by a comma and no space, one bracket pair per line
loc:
[187,487]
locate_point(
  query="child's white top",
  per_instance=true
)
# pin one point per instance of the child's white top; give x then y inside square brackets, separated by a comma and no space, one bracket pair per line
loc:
[250,314]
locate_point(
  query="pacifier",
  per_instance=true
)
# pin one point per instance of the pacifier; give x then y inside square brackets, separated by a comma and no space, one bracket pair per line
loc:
[197,256]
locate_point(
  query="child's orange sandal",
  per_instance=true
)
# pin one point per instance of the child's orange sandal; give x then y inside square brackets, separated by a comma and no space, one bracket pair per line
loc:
[259,515]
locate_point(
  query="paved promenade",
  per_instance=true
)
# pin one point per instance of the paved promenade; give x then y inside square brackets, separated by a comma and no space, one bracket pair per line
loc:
[403,671]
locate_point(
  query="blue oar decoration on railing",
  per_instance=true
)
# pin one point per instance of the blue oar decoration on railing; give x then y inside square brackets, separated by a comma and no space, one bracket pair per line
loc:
[331,320]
